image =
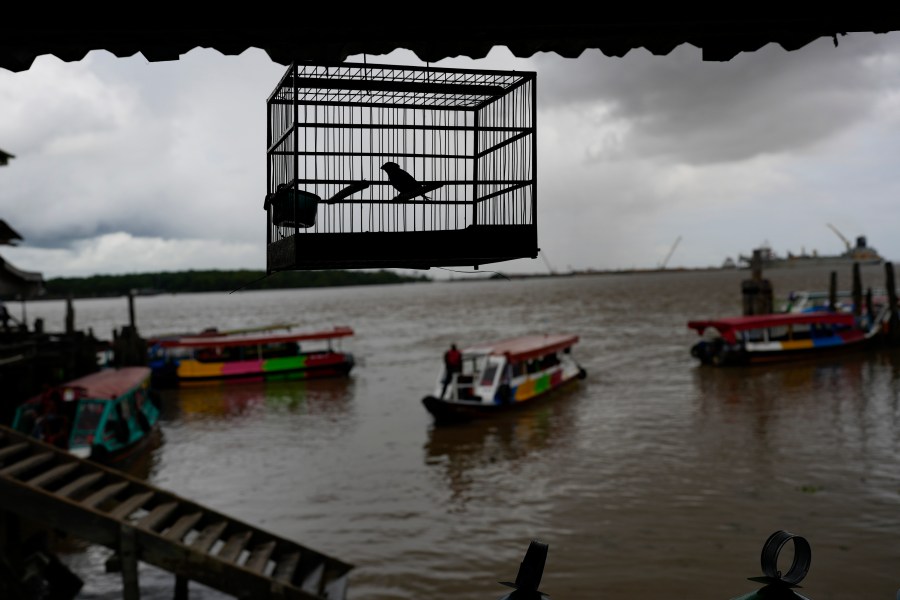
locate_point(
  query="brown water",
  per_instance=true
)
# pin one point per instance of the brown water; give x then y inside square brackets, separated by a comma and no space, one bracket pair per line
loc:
[653,478]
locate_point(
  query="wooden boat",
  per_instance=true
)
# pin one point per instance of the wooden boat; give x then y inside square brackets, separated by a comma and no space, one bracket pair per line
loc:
[204,358]
[108,416]
[504,375]
[782,336]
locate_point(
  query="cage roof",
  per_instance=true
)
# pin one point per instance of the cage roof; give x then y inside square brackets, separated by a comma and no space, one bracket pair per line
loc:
[392,85]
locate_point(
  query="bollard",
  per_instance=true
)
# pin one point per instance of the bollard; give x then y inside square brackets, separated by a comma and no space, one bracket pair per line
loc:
[780,586]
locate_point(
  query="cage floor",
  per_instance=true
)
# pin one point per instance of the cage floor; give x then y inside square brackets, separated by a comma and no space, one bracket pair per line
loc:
[472,246]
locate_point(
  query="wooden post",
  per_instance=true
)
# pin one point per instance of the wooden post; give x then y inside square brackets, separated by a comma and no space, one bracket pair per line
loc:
[757,292]
[11,557]
[70,316]
[131,309]
[181,587]
[128,556]
[857,290]
[24,314]
[832,292]
[894,322]
[870,308]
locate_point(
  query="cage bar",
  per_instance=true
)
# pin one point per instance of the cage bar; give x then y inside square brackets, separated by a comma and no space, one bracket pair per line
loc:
[468,137]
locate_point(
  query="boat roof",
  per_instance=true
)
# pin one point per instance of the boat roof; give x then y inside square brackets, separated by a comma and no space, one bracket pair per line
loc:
[201,341]
[214,332]
[772,320]
[525,347]
[108,383]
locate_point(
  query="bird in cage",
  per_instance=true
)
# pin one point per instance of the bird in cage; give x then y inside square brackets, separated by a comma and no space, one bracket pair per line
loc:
[402,181]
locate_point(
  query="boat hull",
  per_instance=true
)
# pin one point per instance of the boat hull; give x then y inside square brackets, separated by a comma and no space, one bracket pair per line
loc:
[191,371]
[461,411]
[125,456]
[709,355]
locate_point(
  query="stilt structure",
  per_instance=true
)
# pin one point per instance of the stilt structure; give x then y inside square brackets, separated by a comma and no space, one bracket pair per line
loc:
[43,484]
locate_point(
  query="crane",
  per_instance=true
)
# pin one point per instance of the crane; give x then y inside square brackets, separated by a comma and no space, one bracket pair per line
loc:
[840,235]
[665,261]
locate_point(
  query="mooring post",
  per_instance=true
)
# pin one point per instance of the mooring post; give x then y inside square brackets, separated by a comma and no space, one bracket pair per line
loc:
[870,308]
[832,292]
[131,309]
[70,315]
[757,292]
[857,290]
[894,322]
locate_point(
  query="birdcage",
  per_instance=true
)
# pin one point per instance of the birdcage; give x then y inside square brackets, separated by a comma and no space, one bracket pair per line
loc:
[466,139]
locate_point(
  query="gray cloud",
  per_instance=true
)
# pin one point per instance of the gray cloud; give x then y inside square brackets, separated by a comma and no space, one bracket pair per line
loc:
[123,165]
[686,110]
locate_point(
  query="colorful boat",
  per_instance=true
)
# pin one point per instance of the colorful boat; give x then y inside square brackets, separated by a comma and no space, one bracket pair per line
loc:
[108,416]
[782,336]
[204,358]
[503,375]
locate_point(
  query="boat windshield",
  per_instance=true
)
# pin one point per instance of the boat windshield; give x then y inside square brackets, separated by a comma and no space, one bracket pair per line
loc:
[488,375]
[87,421]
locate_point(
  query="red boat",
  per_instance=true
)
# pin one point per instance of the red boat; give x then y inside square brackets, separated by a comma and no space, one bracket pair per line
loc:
[781,336]
[214,357]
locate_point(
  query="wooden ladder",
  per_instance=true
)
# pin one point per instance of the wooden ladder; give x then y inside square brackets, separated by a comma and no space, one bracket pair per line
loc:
[141,522]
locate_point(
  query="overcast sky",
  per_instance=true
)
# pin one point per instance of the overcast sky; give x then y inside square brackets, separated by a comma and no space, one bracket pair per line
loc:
[127,166]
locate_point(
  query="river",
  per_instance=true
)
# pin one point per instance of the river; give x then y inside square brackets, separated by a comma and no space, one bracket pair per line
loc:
[652,478]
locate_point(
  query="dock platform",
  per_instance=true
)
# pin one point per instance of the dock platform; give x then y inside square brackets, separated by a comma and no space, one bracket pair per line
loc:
[143,523]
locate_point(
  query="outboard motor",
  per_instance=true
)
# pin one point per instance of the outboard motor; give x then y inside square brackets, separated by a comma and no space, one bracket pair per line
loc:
[780,586]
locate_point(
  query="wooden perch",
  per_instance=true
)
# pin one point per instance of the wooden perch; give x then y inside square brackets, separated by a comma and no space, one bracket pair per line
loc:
[420,191]
[348,191]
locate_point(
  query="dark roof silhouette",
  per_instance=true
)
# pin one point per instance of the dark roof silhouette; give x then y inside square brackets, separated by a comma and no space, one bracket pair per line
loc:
[8,235]
[720,33]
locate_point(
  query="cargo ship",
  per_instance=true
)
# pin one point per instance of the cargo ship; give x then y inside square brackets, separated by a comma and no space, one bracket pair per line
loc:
[860,253]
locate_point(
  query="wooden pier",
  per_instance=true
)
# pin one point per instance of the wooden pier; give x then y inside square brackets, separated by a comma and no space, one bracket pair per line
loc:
[42,484]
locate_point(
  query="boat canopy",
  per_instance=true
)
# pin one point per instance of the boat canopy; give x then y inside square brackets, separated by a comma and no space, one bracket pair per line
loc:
[729,325]
[107,383]
[524,347]
[242,340]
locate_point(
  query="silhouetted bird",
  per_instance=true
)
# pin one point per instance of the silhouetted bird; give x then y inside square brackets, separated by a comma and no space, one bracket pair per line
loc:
[402,181]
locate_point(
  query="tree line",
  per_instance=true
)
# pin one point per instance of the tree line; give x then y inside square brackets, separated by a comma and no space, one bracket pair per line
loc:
[99,286]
